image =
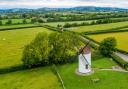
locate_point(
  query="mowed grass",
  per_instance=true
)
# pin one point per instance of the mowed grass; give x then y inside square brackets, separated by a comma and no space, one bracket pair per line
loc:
[100,27]
[107,79]
[121,37]
[12,43]
[39,78]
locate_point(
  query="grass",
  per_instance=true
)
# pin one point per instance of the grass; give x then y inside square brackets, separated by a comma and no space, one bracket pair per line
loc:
[12,43]
[121,38]
[16,21]
[107,79]
[39,78]
[100,27]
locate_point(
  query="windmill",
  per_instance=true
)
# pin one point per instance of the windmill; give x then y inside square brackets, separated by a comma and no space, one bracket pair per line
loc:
[85,59]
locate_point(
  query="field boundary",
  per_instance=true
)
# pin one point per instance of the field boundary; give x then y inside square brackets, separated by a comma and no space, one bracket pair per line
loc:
[112,30]
[15,28]
[56,72]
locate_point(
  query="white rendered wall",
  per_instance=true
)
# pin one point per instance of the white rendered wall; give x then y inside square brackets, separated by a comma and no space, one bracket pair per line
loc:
[82,64]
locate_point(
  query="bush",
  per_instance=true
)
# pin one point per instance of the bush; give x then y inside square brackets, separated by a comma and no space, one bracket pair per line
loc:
[37,52]
[0,22]
[107,46]
[9,22]
[24,21]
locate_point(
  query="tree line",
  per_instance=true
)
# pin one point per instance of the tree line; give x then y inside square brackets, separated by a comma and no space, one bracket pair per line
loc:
[56,48]
[101,21]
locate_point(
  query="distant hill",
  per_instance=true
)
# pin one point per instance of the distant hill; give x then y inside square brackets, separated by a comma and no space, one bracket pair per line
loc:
[82,8]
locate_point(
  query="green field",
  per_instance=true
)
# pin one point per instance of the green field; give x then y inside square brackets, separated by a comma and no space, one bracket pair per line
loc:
[12,43]
[107,79]
[100,27]
[14,21]
[121,38]
[39,78]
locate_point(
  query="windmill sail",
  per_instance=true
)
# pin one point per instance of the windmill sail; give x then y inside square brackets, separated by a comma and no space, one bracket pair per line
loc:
[85,61]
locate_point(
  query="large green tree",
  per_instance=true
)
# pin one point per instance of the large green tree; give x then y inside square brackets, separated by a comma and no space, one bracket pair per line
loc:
[107,46]
[54,48]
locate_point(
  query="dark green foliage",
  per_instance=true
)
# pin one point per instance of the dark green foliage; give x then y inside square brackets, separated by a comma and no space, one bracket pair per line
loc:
[48,49]
[24,21]
[101,21]
[9,22]
[64,46]
[33,20]
[0,22]
[37,52]
[107,46]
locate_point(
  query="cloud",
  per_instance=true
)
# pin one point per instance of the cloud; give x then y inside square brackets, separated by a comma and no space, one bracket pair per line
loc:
[61,3]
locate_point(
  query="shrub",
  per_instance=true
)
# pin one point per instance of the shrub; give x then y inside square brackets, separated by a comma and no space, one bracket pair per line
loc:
[107,46]
[24,21]
[0,22]
[37,51]
[9,21]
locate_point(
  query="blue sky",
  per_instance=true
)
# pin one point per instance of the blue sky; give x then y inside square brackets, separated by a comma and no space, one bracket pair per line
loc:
[61,3]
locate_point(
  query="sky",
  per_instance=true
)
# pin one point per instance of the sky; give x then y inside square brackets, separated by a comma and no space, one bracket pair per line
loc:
[4,4]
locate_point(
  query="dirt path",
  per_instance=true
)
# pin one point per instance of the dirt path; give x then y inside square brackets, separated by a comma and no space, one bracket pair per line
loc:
[118,70]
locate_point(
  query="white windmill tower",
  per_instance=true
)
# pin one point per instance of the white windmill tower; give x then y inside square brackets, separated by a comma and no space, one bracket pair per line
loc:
[85,60]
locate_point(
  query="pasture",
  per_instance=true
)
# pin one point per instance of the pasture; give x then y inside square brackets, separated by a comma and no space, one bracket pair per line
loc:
[106,79]
[12,43]
[100,27]
[15,21]
[38,78]
[121,38]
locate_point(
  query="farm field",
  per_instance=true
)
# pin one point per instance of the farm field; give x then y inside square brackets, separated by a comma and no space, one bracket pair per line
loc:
[38,78]
[107,79]
[121,38]
[100,27]
[14,21]
[12,43]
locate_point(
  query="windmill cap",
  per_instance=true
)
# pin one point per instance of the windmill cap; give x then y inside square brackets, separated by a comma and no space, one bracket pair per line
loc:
[85,50]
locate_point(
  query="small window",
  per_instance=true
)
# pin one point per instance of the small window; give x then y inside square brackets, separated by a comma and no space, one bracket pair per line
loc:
[86,66]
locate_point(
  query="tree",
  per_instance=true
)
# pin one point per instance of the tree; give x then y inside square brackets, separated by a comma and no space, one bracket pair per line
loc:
[67,25]
[33,20]
[37,52]
[107,46]
[0,22]
[64,45]
[47,49]
[24,21]
[9,22]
